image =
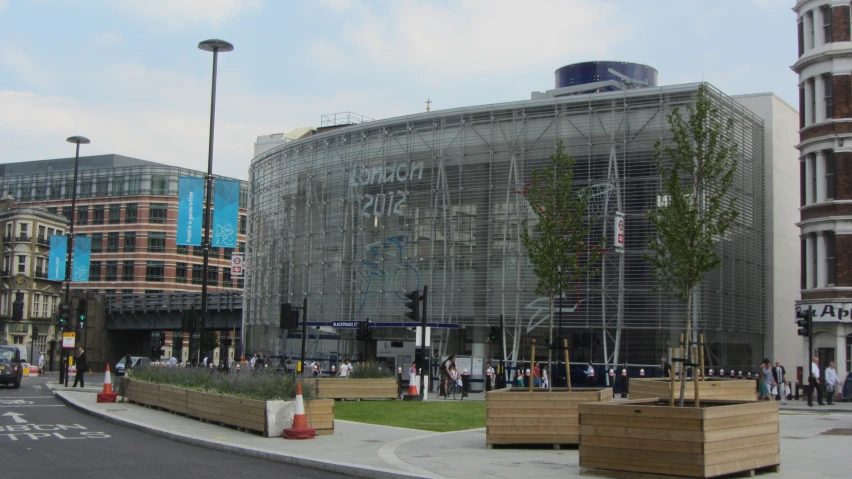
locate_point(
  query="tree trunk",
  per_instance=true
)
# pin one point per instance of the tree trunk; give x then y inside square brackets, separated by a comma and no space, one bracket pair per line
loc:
[688,349]
[550,348]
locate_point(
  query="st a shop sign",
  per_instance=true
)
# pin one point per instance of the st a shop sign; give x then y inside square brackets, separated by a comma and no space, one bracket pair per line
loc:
[829,312]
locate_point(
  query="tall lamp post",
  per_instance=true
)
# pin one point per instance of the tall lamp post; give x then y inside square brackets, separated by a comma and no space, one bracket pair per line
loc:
[78,140]
[216,46]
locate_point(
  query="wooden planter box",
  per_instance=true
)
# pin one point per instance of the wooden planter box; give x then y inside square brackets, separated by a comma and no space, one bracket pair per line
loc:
[347,388]
[267,417]
[711,388]
[142,393]
[518,416]
[649,437]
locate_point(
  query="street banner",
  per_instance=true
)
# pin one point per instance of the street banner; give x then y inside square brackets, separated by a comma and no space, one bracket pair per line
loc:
[80,260]
[190,209]
[57,257]
[225,213]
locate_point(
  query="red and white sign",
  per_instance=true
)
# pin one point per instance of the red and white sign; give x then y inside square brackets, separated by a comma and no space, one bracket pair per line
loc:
[619,232]
[237,260]
[68,340]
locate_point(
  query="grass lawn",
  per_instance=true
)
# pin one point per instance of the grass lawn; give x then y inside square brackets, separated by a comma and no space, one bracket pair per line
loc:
[438,416]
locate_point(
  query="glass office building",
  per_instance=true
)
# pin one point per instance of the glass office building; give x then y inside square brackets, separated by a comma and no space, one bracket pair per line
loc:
[354,217]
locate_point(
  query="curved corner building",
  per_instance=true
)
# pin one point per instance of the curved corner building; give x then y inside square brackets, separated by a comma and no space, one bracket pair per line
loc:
[353,218]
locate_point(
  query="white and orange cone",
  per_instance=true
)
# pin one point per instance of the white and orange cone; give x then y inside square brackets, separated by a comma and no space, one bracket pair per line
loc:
[299,429]
[107,395]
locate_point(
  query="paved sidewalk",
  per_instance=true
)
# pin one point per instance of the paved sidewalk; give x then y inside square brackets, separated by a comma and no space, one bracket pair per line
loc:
[366,450]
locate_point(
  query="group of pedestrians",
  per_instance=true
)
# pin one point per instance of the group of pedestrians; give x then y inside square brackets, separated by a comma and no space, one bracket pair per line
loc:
[830,384]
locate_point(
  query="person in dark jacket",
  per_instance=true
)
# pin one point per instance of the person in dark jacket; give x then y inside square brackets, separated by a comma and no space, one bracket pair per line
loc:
[82,367]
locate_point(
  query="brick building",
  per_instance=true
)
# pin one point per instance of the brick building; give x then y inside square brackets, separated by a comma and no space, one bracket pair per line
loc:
[129,208]
[824,67]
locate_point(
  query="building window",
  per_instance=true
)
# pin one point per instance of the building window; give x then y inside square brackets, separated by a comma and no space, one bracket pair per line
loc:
[40,271]
[52,210]
[86,187]
[826,22]
[198,250]
[102,186]
[134,184]
[127,267]
[226,276]
[129,241]
[130,210]
[112,270]
[242,247]
[829,174]
[98,215]
[182,249]
[212,275]
[159,185]
[814,265]
[828,81]
[156,242]
[243,223]
[180,272]
[97,242]
[95,271]
[22,263]
[214,252]
[114,214]
[813,179]
[812,113]
[157,213]
[830,256]
[241,282]
[112,242]
[155,271]
[197,275]
[67,213]
[83,215]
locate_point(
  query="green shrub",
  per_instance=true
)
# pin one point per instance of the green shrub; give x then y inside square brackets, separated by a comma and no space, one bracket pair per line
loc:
[370,370]
[249,384]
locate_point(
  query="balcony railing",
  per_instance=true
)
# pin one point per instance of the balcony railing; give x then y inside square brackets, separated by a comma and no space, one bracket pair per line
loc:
[40,274]
[7,238]
[133,302]
[5,273]
[24,238]
[43,241]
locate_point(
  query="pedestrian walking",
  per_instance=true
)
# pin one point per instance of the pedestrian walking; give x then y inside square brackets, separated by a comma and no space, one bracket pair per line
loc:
[779,373]
[41,363]
[82,367]
[765,382]
[253,360]
[489,376]
[814,384]
[204,361]
[519,376]
[315,368]
[536,375]
[590,374]
[832,382]
[665,367]
[258,363]
[544,381]
[344,369]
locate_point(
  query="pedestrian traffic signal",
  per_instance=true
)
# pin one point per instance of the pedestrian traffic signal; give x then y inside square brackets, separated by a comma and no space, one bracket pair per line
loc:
[413,305]
[804,319]
[494,335]
[64,316]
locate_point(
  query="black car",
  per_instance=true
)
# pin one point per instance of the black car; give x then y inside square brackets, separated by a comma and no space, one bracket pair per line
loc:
[11,370]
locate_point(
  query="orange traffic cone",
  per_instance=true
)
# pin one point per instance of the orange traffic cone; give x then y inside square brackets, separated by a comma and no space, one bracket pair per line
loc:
[107,395]
[412,386]
[300,429]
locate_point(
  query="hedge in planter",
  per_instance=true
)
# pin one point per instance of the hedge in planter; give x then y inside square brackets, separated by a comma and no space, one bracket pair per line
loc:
[650,437]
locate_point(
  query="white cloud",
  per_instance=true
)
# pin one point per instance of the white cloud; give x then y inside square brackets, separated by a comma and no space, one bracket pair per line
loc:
[183,13]
[14,59]
[108,37]
[477,35]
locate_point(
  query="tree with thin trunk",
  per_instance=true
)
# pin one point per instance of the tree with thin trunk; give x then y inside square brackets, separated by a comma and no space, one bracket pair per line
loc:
[697,169]
[558,239]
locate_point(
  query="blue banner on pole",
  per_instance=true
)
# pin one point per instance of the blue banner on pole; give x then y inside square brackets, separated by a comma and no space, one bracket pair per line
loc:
[190,209]
[80,261]
[226,214]
[57,257]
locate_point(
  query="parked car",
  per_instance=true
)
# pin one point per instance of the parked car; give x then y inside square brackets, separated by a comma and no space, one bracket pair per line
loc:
[136,361]
[11,366]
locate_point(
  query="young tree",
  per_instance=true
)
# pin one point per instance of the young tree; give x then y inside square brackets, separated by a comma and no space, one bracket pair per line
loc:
[697,171]
[558,238]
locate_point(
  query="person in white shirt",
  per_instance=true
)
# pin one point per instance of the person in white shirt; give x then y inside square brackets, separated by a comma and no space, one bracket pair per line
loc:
[489,376]
[252,361]
[344,369]
[814,384]
[41,364]
[831,383]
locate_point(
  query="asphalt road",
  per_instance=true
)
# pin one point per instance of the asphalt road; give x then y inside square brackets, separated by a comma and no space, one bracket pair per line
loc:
[42,437]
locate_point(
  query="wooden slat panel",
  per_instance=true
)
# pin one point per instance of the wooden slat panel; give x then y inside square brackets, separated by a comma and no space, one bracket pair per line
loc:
[629,443]
[640,455]
[655,434]
[532,439]
[740,432]
[532,421]
[642,422]
[742,465]
[732,444]
[652,468]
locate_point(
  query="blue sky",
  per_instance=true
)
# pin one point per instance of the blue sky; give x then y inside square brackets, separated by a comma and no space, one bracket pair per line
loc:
[128,74]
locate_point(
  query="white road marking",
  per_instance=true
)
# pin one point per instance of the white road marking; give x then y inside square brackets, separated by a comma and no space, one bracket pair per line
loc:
[16,416]
[34,405]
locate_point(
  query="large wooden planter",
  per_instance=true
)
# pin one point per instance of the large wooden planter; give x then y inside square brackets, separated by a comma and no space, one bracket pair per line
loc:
[348,388]
[711,388]
[649,437]
[266,417]
[518,416]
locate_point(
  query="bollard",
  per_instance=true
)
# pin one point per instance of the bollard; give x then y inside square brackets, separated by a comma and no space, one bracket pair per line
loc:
[612,379]
[710,373]
[641,373]
[740,375]
[796,387]
[398,381]
[624,383]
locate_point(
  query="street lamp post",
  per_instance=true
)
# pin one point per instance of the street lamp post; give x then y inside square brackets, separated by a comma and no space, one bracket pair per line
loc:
[216,46]
[78,140]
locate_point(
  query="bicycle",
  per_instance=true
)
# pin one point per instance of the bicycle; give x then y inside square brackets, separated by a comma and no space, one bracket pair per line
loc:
[454,389]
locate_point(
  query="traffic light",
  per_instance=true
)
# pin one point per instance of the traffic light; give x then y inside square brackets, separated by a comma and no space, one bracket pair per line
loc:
[368,330]
[413,305]
[162,339]
[64,316]
[804,320]
[82,310]
[360,332]
[494,335]
[35,332]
